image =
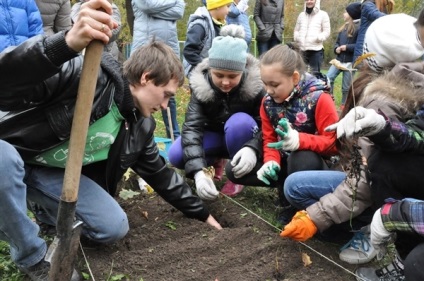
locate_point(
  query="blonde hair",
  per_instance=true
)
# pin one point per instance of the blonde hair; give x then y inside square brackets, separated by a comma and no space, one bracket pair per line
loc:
[349,26]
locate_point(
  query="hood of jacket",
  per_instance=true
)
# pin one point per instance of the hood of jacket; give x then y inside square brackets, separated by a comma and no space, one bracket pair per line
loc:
[200,13]
[402,86]
[251,86]
[316,9]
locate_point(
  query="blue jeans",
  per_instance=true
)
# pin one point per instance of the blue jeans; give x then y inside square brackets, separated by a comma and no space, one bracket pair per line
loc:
[175,128]
[238,129]
[332,74]
[263,47]
[304,188]
[103,219]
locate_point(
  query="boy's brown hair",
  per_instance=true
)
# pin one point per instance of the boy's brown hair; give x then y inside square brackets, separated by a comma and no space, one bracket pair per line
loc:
[159,60]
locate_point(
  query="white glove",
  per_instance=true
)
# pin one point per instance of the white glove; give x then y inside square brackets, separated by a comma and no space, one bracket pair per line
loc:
[205,187]
[360,121]
[269,170]
[379,233]
[289,137]
[243,162]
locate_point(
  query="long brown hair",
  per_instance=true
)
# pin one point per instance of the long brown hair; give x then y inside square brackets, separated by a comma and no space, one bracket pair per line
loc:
[420,19]
[349,26]
[347,147]
[364,77]
[385,6]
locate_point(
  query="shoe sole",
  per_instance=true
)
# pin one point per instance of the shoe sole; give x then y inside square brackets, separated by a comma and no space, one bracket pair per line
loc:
[356,261]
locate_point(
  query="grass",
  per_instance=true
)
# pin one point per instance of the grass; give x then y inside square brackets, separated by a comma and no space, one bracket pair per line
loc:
[8,269]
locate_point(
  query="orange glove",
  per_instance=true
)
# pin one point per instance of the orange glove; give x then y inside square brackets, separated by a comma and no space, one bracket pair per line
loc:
[301,227]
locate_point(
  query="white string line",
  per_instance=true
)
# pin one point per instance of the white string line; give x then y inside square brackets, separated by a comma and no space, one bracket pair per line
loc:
[86,262]
[307,246]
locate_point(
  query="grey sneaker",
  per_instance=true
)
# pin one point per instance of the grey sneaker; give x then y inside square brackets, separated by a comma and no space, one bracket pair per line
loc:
[40,272]
[358,250]
[391,272]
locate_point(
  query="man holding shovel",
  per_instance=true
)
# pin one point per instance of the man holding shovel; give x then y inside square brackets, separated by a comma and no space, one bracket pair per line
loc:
[38,86]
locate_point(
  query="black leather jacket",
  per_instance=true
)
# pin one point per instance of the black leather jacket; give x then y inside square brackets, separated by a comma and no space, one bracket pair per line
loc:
[38,86]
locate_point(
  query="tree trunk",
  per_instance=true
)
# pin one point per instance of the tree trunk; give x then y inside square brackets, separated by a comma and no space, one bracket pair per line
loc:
[130,15]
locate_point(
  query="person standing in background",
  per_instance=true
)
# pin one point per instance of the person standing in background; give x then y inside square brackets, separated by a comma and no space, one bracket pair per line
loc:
[269,19]
[370,11]
[238,15]
[20,20]
[202,27]
[343,48]
[56,15]
[112,46]
[158,19]
[311,30]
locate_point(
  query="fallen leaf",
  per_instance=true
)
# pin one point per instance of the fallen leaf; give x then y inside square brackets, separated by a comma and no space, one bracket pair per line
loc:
[128,174]
[149,189]
[306,259]
[362,57]
[161,145]
[209,171]
[127,194]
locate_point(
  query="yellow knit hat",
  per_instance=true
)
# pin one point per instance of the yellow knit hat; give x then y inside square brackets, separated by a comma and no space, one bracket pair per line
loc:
[213,4]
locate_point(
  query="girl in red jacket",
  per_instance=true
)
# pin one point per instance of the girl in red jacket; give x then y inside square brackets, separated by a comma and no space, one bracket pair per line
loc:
[294,113]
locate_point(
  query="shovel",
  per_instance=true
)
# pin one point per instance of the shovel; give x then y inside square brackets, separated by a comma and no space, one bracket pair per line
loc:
[62,252]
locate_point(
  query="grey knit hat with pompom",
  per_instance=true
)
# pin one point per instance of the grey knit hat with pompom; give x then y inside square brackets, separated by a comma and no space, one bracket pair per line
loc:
[229,50]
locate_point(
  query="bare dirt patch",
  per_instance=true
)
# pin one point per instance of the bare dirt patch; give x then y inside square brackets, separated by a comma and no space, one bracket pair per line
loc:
[162,244]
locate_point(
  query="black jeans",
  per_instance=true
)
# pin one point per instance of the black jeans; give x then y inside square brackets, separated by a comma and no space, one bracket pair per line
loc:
[314,60]
[414,264]
[396,175]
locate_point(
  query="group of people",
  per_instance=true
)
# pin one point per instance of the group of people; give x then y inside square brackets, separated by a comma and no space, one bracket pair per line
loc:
[275,122]
[380,140]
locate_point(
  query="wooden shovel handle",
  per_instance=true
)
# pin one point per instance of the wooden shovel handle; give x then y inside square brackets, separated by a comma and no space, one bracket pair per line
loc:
[80,122]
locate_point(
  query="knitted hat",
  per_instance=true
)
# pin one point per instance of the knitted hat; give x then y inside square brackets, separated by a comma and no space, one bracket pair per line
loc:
[213,4]
[393,39]
[229,50]
[354,10]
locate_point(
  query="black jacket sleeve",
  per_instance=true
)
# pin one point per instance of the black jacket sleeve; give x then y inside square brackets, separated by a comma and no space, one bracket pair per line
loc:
[164,180]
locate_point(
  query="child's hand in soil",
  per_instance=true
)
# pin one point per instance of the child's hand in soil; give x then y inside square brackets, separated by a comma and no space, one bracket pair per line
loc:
[212,221]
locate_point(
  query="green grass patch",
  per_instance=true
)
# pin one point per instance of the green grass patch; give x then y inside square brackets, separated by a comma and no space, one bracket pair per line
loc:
[8,269]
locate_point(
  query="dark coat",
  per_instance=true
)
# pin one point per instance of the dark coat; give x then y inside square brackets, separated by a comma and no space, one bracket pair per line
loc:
[344,39]
[269,18]
[209,109]
[43,95]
